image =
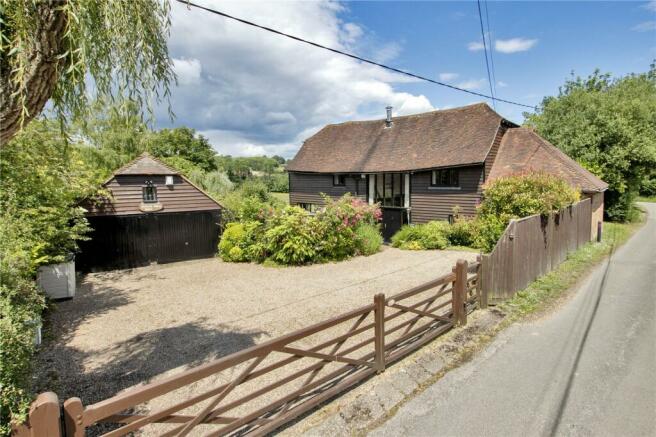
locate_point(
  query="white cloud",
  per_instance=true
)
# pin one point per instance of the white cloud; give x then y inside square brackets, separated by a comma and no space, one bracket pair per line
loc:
[263,93]
[352,32]
[502,84]
[514,45]
[475,46]
[646,26]
[473,84]
[448,77]
[187,70]
[650,6]
[387,52]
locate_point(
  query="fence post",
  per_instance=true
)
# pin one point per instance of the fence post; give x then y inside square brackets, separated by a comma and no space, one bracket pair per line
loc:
[459,293]
[480,291]
[43,419]
[74,418]
[379,332]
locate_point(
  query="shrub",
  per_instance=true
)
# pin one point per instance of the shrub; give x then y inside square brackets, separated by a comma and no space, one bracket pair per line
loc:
[277,182]
[463,232]
[516,197]
[292,237]
[250,202]
[43,179]
[368,239]
[236,241]
[489,229]
[431,235]
[351,211]
[524,195]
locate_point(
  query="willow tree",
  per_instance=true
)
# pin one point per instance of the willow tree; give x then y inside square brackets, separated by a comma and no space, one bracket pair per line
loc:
[65,50]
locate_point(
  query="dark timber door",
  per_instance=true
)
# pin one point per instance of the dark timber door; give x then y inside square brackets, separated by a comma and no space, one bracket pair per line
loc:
[393,219]
[119,242]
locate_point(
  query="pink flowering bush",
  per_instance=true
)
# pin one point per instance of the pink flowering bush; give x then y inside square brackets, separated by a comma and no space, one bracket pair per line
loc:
[291,236]
[352,211]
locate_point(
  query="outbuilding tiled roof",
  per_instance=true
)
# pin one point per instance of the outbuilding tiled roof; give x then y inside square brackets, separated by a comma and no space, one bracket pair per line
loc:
[145,164]
[524,151]
[451,137]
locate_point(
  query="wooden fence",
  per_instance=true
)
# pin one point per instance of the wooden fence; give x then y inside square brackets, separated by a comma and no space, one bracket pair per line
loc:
[533,246]
[256,390]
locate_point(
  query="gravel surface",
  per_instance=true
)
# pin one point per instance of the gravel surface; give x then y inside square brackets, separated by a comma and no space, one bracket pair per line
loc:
[127,327]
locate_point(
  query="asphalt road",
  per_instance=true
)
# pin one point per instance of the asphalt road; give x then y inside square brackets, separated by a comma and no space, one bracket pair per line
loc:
[587,369]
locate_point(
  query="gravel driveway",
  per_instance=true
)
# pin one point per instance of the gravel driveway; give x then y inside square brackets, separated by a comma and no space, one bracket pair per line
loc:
[127,327]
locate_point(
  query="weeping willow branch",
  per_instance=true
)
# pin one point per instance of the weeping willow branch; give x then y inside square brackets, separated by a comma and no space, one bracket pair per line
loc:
[65,50]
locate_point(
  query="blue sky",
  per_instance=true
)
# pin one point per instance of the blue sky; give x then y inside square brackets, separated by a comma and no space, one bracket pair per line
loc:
[251,92]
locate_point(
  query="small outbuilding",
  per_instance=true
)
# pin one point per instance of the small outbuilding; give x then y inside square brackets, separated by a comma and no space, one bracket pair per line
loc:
[153,215]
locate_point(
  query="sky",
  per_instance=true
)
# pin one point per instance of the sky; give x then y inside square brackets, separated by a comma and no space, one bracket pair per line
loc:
[251,92]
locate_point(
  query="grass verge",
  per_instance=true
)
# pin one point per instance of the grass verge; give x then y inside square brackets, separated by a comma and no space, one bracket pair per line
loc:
[544,291]
[650,199]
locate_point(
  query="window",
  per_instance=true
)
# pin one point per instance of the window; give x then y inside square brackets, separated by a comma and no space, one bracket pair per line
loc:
[339,180]
[445,178]
[149,193]
[389,189]
[310,207]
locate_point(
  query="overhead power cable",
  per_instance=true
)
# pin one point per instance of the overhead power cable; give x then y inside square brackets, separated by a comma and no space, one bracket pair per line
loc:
[489,40]
[350,55]
[487,63]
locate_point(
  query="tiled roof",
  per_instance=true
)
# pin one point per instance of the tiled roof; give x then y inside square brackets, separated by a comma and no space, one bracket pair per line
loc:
[450,137]
[524,151]
[145,164]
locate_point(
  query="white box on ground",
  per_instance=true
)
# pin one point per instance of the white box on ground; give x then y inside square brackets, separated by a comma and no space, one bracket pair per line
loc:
[57,280]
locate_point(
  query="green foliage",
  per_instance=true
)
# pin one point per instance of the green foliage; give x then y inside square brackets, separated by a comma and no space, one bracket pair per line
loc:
[609,126]
[648,186]
[463,232]
[181,164]
[431,235]
[490,228]
[368,239]
[237,240]
[516,197]
[251,201]
[524,195]
[241,168]
[216,182]
[43,178]
[277,182]
[182,142]
[120,47]
[350,211]
[505,199]
[292,236]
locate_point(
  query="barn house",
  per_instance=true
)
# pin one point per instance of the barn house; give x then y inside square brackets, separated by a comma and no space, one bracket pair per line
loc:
[154,215]
[420,167]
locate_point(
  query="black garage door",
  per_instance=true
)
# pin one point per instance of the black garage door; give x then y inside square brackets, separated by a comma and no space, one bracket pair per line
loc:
[120,242]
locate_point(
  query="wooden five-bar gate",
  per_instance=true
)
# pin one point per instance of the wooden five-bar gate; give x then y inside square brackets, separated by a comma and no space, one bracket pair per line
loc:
[256,390]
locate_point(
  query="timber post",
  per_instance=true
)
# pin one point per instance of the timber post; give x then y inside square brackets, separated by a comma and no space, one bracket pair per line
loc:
[74,418]
[379,332]
[481,289]
[43,419]
[459,293]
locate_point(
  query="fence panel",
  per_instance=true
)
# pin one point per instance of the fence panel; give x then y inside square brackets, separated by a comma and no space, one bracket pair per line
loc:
[533,246]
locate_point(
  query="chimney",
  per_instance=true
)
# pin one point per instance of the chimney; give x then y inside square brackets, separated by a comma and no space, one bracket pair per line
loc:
[388,121]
